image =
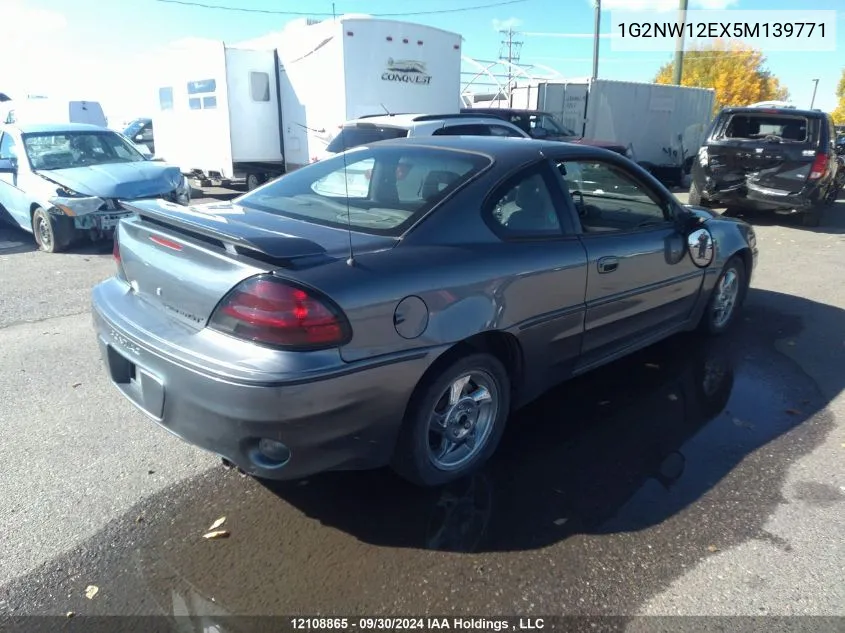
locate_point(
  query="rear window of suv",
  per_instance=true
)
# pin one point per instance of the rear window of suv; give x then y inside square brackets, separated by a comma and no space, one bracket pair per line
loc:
[363,134]
[775,127]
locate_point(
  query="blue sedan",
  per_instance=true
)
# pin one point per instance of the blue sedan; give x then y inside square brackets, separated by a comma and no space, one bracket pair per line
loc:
[62,181]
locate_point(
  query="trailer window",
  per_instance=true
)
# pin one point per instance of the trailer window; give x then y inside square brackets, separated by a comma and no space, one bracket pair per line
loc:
[195,103]
[209,103]
[202,86]
[165,98]
[259,86]
[380,190]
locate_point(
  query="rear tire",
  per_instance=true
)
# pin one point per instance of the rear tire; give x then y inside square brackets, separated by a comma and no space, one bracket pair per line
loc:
[254,181]
[472,420]
[726,298]
[53,232]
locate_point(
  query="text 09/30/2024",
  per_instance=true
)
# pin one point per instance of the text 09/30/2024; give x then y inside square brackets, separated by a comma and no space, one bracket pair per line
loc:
[424,623]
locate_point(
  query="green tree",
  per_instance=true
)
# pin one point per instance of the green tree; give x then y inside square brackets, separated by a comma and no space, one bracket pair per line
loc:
[839,112]
[736,71]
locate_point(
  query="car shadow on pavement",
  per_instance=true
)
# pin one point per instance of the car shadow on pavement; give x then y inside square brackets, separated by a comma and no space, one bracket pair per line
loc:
[636,471]
[623,448]
[15,241]
[833,220]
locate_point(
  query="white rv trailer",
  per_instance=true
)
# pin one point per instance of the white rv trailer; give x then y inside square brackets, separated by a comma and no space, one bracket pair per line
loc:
[258,109]
[664,125]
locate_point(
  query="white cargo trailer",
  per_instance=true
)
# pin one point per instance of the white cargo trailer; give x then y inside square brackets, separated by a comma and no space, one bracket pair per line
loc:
[664,125]
[257,109]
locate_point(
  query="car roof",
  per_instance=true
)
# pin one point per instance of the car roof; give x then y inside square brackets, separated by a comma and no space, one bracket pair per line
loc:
[40,128]
[516,148]
[486,110]
[406,120]
[393,120]
[767,110]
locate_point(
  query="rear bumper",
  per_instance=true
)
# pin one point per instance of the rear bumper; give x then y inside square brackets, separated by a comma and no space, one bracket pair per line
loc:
[750,195]
[337,417]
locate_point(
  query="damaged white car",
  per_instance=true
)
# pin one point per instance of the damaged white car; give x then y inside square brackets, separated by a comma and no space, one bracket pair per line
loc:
[65,181]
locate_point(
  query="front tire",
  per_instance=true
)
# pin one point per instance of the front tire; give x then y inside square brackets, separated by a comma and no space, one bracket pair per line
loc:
[53,233]
[454,421]
[726,298]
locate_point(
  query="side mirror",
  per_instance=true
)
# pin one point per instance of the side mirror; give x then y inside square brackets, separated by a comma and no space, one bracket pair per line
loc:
[539,132]
[700,245]
[7,166]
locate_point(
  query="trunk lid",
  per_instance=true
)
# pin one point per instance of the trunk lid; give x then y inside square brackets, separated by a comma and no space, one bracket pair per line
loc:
[186,259]
[769,153]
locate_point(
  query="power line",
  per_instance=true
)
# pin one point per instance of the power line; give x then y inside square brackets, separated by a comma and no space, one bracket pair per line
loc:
[221,7]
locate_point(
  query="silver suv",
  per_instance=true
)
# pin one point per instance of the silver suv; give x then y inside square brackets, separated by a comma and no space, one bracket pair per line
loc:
[381,127]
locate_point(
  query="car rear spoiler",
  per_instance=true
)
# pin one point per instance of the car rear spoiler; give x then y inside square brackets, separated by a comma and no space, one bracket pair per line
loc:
[191,220]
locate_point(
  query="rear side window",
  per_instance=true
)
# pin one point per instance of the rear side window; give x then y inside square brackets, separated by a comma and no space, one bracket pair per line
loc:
[380,190]
[795,129]
[355,136]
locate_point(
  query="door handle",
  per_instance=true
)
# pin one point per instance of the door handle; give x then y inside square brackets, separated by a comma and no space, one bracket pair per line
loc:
[608,264]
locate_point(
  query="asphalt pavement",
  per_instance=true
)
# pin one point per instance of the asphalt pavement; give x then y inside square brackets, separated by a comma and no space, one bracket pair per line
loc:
[693,478]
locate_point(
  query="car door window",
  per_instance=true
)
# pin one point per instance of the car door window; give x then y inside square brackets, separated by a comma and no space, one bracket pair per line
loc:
[608,198]
[472,129]
[524,208]
[8,149]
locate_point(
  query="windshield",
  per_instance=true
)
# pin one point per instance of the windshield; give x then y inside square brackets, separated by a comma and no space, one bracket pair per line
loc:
[774,127]
[63,150]
[548,123]
[363,134]
[134,128]
[379,190]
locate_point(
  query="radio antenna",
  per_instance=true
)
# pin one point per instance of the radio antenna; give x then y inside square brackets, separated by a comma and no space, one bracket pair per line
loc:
[351,260]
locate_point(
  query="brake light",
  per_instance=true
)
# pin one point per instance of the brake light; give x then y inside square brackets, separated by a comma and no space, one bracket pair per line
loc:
[270,311]
[819,166]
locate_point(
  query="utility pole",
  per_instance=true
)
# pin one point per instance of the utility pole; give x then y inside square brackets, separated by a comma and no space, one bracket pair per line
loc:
[597,6]
[815,87]
[679,44]
[510,53]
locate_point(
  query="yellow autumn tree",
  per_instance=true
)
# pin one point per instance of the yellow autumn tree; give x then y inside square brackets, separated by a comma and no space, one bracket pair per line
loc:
[736,71]
[839,112]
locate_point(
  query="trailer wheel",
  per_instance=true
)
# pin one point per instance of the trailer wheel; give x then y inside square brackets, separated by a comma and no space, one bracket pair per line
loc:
[253,181]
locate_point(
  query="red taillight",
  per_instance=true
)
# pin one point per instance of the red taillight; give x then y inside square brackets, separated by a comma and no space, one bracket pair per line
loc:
[273,312]
[819,166]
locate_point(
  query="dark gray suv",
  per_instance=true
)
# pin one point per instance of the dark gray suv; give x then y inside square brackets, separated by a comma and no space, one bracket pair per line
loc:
[771,159]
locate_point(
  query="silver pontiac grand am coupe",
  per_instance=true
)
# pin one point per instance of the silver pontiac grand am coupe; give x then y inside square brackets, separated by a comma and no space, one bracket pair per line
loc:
[393,304]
